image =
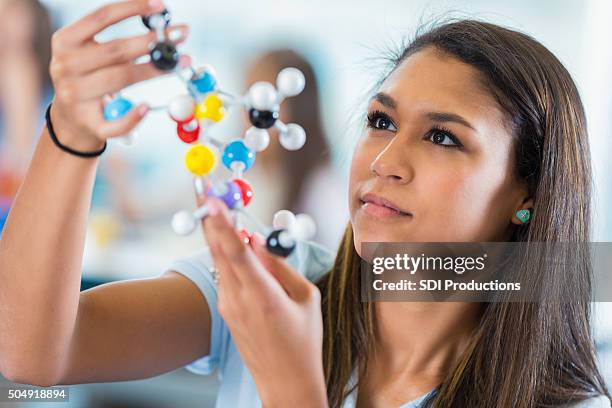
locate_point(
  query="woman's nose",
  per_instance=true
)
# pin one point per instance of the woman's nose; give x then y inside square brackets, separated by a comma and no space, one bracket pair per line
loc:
[392,163]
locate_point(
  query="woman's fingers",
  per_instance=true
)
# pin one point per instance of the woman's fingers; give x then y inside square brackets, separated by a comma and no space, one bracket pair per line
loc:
[122,127]
[296,286]
[107,81]
[215,244]
[245,264]
[200,186]
[87,27]
[228,280]
[125,50]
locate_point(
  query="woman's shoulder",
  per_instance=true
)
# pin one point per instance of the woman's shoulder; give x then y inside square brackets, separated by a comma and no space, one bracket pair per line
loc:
[600,401]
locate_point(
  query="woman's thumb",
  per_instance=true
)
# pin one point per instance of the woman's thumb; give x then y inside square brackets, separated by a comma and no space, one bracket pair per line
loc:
[294,284]
[199,185]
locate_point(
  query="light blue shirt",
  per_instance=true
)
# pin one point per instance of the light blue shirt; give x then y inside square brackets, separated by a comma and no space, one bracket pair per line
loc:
[237,387]
[351,399]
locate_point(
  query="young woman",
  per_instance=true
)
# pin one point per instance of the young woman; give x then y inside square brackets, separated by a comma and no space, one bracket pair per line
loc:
[473,124]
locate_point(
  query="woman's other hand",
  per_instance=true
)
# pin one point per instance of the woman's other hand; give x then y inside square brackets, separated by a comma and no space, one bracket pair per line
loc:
[85,71]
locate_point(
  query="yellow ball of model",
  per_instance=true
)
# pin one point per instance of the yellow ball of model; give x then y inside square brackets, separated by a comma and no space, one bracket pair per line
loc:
[211,109]
[200,160]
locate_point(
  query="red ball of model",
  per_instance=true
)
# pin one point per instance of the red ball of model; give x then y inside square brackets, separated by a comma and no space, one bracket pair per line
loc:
[245,190]
[188,132]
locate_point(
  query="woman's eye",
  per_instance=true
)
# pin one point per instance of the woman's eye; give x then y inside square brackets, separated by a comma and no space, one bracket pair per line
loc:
[444,138]
[380,121]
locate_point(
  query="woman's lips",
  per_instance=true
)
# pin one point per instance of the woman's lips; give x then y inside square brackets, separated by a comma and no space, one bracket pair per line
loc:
[379,207]
[379,210]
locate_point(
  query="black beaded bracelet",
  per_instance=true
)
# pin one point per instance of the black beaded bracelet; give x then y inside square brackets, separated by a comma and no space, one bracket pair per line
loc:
[66,148]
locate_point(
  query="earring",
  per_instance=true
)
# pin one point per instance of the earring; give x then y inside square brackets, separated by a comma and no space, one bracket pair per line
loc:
[523,216]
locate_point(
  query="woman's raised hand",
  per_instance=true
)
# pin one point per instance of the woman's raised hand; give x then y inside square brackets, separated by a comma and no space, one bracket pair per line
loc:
[84,71]
[273,313]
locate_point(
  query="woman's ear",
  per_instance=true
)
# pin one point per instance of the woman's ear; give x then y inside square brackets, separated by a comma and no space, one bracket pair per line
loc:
[523,212]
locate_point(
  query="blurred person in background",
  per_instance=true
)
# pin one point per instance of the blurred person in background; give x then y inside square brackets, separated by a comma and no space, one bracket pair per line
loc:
[25,87]
[306,182]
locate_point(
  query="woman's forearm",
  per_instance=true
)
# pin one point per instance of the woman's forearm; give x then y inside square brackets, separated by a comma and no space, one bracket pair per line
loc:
[40,263]
[301,394]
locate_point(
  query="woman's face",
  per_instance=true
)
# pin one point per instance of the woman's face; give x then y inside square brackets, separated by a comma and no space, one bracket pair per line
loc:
[435,163]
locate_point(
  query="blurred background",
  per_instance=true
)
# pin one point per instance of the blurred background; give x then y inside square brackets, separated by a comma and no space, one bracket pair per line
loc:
[340,46]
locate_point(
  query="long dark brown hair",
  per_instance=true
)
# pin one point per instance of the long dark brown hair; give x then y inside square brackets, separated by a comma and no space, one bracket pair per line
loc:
[529,354]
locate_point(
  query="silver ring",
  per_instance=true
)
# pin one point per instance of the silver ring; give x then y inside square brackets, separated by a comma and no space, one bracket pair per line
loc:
[215,275]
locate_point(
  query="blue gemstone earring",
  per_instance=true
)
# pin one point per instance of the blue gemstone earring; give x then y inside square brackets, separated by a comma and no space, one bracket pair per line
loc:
[523,216]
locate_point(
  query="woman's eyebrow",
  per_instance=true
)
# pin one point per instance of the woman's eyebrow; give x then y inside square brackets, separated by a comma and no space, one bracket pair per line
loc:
[388,101]
[449,117]
[385,100]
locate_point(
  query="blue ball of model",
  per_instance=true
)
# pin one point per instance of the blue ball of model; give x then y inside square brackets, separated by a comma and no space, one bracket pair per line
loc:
[117,108]
[204,82]
[237,152]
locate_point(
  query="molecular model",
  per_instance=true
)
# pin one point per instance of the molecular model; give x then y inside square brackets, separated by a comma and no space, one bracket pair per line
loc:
[204,105]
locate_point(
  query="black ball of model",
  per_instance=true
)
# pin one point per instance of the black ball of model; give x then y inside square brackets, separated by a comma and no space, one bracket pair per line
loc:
[280,243]
[164,56]
[263,119]
[165,14]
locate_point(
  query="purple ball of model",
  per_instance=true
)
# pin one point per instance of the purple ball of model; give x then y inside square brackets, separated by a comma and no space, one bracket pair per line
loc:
[228,192]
